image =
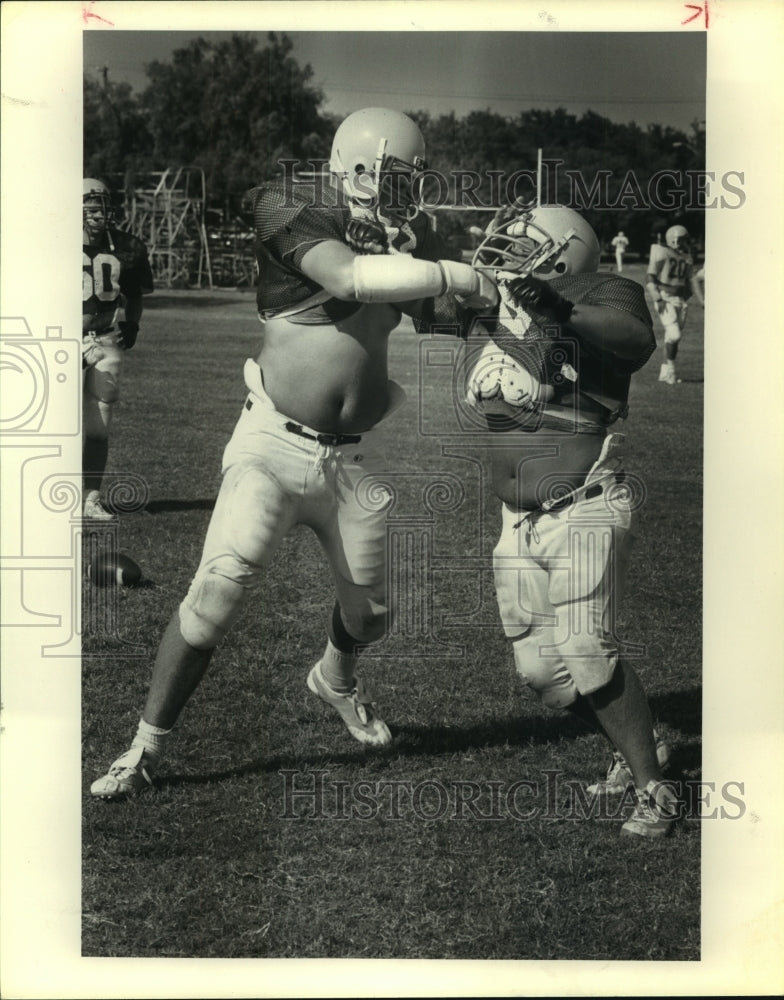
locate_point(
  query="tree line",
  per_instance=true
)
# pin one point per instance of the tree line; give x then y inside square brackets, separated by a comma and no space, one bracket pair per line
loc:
[236,108]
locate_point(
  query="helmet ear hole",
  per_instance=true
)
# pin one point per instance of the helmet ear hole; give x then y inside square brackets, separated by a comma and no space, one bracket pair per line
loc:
[560,267]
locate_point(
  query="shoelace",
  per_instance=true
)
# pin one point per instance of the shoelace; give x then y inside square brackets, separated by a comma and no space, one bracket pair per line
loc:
[363,707]
[126,772]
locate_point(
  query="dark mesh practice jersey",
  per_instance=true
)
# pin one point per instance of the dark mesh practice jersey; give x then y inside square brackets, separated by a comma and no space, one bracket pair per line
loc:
[289,220]
[117,266]
[586,378]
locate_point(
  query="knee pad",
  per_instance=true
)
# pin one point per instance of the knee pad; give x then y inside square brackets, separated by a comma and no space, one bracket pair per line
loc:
[546,675]
[102,381]
[209,609]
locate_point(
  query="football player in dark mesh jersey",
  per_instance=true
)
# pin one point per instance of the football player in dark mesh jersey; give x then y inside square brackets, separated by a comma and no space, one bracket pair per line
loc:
[336,270]
[550,383]
[115,275]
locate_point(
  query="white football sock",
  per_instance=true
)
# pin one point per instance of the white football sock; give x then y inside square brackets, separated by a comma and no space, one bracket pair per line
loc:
[152,739]
[337,668]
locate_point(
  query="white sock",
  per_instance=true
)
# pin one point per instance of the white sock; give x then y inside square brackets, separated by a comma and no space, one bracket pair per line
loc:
[152,739]
[337,668]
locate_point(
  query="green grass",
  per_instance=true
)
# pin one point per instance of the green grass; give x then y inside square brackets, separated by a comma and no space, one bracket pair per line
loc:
[210,865]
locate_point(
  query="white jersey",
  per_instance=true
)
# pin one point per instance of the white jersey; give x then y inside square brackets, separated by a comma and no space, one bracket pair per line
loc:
[620,243]
[673,269]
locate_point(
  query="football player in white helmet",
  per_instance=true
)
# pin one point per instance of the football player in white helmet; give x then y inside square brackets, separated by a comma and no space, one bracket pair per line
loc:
[377,158]
[372,150]
[551,384]
[671,283]
[308,445]
[115,275]
[549,241]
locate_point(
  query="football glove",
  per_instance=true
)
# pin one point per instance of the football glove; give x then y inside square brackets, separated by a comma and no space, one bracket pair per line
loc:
[366,236]
[129,331]
[531,293]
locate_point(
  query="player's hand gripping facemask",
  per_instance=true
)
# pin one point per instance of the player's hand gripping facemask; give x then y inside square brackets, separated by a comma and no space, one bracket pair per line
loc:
[549,241]
[525,247]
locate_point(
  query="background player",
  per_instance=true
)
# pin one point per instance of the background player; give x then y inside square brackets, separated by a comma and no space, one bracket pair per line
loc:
[670,282]
[115,275]
[620,243]
[553,379]
[336,267]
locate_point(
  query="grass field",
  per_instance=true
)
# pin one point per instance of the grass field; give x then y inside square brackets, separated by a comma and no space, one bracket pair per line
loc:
[417,851]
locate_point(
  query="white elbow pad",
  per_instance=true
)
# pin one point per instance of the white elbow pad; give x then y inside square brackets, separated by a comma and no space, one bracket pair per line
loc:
[396,278]
[461,279]
[473,288]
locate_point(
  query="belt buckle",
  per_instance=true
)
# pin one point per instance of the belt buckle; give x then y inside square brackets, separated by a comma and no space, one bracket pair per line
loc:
[328,440]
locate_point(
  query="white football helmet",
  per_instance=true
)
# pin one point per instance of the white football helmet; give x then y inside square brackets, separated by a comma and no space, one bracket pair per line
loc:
[546,240]
[377,154]
[96,207]
[677,238]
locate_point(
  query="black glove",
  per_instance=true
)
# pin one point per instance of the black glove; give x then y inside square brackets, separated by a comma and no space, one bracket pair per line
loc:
[365,236]
[129,331]
[531,293]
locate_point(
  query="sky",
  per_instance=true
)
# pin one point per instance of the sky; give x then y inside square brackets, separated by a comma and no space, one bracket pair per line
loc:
[642,77]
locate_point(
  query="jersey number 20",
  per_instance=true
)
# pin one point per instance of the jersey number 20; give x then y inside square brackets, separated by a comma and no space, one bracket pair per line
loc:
[676,269]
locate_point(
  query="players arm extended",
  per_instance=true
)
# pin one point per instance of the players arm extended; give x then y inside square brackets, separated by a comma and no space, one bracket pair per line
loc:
[394,278]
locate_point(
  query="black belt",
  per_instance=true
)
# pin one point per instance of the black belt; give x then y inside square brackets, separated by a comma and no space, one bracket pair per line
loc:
[331,439]
[581,493]
[584,493]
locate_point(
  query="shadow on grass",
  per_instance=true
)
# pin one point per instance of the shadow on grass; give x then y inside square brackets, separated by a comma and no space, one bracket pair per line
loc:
[679,710]
[197,299]
[174,506]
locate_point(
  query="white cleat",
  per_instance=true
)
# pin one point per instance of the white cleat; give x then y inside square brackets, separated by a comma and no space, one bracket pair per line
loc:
[655,813]
[667,375]
[619,774]
[355,709]
[94,510]
[128,775]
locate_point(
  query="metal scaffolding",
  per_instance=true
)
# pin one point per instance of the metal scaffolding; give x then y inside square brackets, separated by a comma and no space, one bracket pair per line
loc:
[166,210]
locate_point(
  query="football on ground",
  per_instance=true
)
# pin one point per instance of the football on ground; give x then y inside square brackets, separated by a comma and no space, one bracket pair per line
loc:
[109,569]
